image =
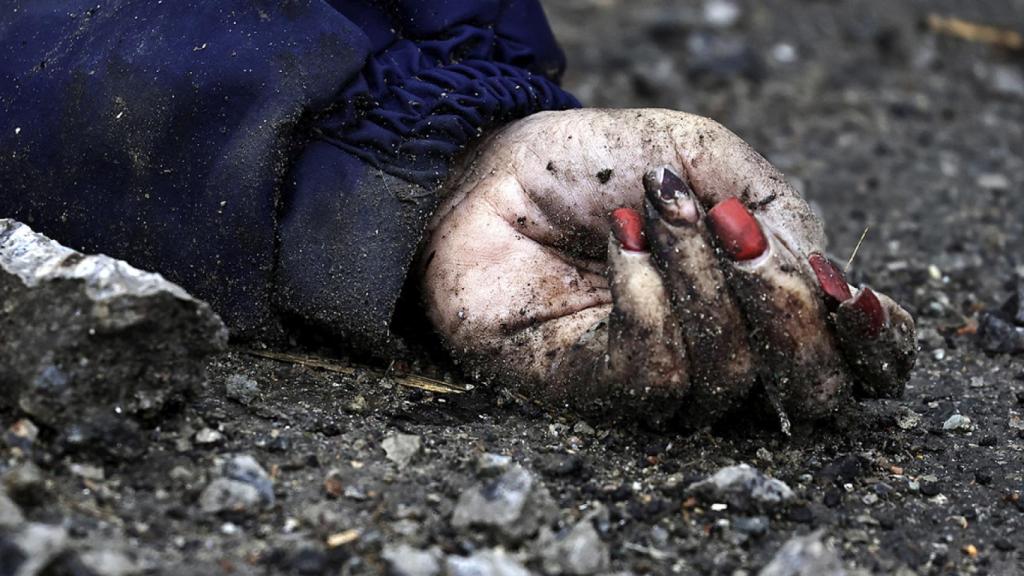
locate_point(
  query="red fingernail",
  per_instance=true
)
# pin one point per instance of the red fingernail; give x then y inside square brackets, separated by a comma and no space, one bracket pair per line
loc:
[737,230]
[871,309]
[628,227]
[831,280]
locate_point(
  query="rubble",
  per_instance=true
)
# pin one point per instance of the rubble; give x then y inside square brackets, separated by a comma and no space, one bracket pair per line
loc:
[804,556]
[88,342]
[487,562]
[743,488]
[515,505]
[404,560]
[578,551]
[244,487]
[401,448]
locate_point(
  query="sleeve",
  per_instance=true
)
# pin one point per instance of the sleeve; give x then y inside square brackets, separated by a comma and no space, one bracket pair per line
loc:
[271,157]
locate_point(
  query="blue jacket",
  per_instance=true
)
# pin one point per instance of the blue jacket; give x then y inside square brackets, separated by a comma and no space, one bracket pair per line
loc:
[274,157]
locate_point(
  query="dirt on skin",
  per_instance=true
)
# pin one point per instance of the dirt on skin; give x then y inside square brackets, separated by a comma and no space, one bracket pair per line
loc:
[879,120]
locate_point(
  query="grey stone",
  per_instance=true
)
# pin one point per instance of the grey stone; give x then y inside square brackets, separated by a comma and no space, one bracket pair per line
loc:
[24,483]
[579,551]
[743,488]
[244,487]
[89,341]
[241,389]
[227,495]
[485,563]
[514,505]
[489,464]
[401,448]
[404,560]
[245,468]
[804,556]
[108,562]
[958,423]
[10,514]
[31,548]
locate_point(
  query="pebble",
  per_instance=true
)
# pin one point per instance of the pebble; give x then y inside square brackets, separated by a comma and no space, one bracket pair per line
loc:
[241,389]
[30,549]
[997,334]
[494,562]
[404,560]
[751,525]
[804,556]
[357,405]
[742,487]
[22,434]
[489,464]
[208,436]
[245,468]
[580,551]
[958,423]
[907,419]
[24,483]
[244,487]
[334,485]
[10,513]
[721,13]
[401,448]
[514,505]
[108,562]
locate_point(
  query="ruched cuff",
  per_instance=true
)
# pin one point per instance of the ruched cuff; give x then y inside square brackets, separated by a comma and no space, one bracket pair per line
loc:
[417,103]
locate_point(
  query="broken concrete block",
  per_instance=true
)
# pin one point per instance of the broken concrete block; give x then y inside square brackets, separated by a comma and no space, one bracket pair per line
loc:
[89,341]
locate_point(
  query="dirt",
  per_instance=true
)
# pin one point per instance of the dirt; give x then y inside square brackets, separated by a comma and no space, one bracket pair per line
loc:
[882,122]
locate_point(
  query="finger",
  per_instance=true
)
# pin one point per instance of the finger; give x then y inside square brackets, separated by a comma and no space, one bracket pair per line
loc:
[786,315]
[876,335]
[709,316]
[646,360]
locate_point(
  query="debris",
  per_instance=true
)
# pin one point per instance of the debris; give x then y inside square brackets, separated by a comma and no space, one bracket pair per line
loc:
[804,556]
[208,436]
[907,419]
[22,434]
[972,32]
[244,488]
[30,549]
[241,389]
[721,13]
[401,448]
[334,485]
[577,551]
[10,514]
[404,560]
[108,562]
[24,483]
[958,423]
[485,563]
[489,464]
[742,487]
[515,505]
[342,538]
[85,340]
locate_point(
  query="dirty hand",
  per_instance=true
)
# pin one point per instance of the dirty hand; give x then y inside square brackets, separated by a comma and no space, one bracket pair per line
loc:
[648,263]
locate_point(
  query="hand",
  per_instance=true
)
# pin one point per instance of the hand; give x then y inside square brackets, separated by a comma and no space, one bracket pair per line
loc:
[649,264]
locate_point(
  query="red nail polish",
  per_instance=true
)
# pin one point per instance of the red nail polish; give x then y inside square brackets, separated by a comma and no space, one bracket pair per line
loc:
[737,230]
[867,304]
[628,227]
[831,279]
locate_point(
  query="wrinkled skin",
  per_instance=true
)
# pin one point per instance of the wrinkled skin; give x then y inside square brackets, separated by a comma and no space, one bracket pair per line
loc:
[702,292]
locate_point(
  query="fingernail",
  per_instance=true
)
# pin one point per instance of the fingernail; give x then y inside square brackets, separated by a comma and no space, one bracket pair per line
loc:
[831,280]
[671,196]
[870,309]
[737,230]
[628,227]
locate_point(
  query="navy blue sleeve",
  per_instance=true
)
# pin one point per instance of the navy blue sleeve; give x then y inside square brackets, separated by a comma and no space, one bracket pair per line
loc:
[272,157]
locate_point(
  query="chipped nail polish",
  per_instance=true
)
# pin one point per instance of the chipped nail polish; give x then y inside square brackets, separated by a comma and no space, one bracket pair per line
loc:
[628,227]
